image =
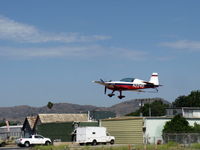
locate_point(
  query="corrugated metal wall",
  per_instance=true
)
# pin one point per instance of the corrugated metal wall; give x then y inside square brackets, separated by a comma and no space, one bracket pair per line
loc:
[125,131]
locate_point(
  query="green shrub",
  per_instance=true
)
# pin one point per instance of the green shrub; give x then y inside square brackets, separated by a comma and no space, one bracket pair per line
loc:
[171,144]
[195,146]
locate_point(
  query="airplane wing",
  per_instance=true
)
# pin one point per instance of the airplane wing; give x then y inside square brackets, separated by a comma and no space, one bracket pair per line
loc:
[100,82]
[105,84]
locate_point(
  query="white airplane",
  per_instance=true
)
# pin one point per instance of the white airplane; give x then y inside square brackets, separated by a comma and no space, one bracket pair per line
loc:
[130,84]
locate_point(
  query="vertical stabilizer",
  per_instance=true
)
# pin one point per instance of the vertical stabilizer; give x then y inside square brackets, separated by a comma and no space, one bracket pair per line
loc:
[154,79]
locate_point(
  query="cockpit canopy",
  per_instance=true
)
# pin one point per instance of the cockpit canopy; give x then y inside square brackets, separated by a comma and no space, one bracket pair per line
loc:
[128,79]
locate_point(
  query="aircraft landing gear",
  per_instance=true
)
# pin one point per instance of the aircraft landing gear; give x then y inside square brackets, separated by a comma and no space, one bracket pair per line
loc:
[111,94]
[120,95]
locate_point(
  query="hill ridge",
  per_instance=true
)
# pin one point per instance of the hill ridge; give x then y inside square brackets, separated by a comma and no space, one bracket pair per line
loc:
[18,113]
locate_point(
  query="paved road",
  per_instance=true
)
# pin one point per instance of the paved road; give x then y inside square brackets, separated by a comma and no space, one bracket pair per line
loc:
[13,148]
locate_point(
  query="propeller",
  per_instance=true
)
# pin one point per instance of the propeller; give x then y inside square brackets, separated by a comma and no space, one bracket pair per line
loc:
[102,80]
[105,86]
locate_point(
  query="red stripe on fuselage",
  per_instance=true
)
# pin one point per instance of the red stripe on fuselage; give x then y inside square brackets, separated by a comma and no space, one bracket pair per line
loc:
[124,87]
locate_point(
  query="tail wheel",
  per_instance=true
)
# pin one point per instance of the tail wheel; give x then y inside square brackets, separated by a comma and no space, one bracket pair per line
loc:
[94,142]
[112,142]
[27,144]
[47,143]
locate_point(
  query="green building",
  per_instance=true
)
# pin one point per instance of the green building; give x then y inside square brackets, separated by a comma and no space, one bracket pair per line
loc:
[61,126]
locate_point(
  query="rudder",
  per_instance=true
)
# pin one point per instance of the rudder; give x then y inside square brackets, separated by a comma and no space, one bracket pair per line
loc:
[154,79]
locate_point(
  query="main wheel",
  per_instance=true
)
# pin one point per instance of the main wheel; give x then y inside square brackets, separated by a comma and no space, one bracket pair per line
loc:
[94,142]
[47,143]
[27,144]
[112,142]
[2,144]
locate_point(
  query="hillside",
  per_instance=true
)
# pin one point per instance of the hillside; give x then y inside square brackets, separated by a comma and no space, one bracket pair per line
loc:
[18,113]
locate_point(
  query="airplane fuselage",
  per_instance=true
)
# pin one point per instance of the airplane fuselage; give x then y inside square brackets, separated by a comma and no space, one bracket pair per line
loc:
[137,84]
[130,84]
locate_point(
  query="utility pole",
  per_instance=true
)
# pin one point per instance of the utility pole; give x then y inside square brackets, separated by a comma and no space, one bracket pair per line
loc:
[141,105]
[149,109]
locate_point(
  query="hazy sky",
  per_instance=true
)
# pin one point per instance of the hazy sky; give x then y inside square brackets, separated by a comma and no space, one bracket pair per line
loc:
[53,50]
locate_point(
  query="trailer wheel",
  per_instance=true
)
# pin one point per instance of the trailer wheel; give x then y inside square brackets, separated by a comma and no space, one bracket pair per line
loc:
[112,142]
[94,142]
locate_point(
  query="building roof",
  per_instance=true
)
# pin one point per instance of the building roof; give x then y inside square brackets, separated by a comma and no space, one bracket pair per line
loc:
[122,118]
[51,118]
[191,108]
[30,120]
[146,117]
[10,126]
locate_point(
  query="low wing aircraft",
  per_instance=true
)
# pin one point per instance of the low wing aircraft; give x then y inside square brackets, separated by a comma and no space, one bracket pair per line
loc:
[129,84]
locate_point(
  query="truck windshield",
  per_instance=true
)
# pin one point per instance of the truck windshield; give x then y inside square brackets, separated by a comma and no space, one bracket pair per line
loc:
[108,134]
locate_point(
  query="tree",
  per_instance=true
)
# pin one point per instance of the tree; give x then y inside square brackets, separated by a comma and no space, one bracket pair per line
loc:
[157,108]
[178,124]
[50,105]
[196,127]
[192,100]
[3,122]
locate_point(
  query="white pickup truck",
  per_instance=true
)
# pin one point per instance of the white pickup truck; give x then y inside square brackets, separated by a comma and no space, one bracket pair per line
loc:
[33,140]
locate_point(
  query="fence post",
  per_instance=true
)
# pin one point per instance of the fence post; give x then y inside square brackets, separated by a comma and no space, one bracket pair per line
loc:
[189,139]
[167,138]
[145,143]
[129,147]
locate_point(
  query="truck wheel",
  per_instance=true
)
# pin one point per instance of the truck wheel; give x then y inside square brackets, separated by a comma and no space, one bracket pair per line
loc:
[47,143]
[112,142]
[94,142]
[27,144]
[2,144]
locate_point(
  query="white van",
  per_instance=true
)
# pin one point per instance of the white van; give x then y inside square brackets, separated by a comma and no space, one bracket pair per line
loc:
[93,135]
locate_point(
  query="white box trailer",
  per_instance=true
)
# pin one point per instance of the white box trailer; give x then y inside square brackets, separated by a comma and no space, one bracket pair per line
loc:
[93,135]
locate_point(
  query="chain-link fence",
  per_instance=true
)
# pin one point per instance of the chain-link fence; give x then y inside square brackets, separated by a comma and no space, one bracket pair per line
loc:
[182,138]
[153,140]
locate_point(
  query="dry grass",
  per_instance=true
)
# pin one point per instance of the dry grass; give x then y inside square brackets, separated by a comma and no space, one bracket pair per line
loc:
[169,146]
